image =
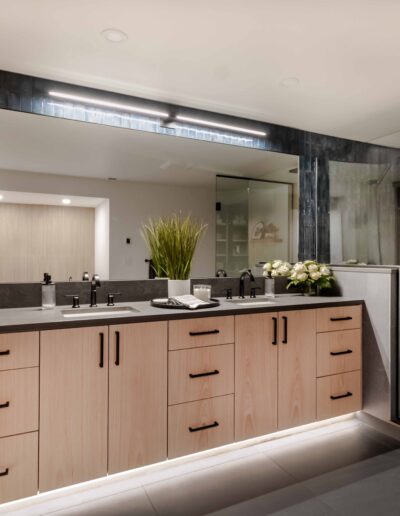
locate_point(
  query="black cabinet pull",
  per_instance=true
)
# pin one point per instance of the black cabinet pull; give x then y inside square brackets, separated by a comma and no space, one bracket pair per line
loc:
[101,363]
[275,337]
[199,375]
[334,319]
[284,340]
[117,348]
[197,429]
[336,353]
[6,352]
[348,393]
[4,473]
[209,332]
[5,405]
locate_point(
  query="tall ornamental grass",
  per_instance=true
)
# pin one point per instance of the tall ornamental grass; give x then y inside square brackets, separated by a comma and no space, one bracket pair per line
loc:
[172,242]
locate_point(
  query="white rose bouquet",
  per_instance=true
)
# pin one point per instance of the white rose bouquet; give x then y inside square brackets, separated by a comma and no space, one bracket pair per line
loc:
[310,273]
[277,268]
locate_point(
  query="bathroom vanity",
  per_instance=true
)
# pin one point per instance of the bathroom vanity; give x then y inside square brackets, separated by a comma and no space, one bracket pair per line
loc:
[81,399]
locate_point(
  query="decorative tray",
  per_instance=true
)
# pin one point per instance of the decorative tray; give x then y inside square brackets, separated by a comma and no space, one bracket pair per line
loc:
[164,303]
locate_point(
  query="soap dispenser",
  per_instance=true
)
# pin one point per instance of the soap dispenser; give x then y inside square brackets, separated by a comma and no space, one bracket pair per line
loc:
[48,292]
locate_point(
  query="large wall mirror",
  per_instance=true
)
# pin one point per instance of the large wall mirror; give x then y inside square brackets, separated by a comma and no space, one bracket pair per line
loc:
[75,197]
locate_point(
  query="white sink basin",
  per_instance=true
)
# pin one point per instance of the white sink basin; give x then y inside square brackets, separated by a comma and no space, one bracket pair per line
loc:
[252,302]
[98,311]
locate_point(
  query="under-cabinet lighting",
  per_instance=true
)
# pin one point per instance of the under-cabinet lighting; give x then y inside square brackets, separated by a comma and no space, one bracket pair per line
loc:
[112,105]
[209,123]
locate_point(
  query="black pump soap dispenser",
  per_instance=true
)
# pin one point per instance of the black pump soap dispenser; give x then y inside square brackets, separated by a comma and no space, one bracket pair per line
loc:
[48,293]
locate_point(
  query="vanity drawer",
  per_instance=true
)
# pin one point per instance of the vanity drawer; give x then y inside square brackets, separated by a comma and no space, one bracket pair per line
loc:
[19,401]
[338,394]
[18,466]
[200,425]
[19,350]
[339,318]
[338,352]
[205,331]
[200,373]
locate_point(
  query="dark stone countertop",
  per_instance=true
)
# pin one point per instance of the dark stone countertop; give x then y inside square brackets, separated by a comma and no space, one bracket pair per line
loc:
[29,319]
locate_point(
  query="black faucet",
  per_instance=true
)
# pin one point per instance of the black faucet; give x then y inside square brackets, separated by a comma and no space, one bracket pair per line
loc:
[93,292]
[241,281]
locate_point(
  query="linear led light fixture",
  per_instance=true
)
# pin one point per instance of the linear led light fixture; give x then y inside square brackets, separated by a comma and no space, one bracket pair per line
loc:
[209,123]
[112,105]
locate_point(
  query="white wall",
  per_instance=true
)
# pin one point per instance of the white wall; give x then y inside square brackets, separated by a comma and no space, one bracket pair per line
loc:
[131,205]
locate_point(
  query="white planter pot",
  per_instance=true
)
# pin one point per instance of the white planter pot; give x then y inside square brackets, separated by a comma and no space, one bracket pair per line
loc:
[178,287]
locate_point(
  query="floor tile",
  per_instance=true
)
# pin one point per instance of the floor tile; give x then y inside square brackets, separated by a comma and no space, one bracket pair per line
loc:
[218,487]
[293,500]
[131,503]
[329,453]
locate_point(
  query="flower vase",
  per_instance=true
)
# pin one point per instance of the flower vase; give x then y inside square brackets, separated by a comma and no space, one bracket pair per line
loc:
[269,287]
[309,290]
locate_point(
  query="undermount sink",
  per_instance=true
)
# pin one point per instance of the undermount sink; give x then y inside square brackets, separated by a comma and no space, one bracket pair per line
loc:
[96,312]
[251,302]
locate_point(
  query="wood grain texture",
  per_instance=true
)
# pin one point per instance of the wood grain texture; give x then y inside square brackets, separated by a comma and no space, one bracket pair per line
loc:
[182,388]
[336,342]
[198,414]
[138,396]
[324,316]
[73,406]
[337,385]
[180,338]
[19,388]
[23,350]
[256,376]
[19,453]
[297,368]
[37,238]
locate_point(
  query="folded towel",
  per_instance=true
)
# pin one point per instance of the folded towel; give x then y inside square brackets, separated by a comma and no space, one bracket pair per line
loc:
[189,301]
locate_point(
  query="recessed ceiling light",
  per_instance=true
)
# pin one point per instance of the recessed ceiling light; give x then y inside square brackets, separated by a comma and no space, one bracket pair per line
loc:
[290,82]
[114,35]
[1,197]
[66,201]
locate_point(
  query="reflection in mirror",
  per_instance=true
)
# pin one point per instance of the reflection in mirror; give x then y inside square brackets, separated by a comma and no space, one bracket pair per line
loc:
[364,213]
[116,180]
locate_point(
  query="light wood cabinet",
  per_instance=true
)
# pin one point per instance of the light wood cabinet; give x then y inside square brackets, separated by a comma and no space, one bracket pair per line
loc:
[73,406]
[204,331]
[338,352]
[18,350]
[339,394]
[18,466]
[256,375]
[336,318]
[137,395]
[297,388]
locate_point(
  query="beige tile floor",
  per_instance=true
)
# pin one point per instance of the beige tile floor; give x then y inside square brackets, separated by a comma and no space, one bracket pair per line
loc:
[345,468]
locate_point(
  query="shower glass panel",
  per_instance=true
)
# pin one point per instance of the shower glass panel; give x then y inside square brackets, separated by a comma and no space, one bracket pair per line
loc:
[364,213]
[256,222]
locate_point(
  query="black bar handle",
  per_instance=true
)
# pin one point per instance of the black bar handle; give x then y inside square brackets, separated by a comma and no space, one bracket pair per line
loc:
[199,375]
[336,353]
[209,332]
[197,429]
[101,363]
[117,348]
[4,473]
[5,405]
[284,340]
[348,393]
[275,337]
[348,318]
[6,352]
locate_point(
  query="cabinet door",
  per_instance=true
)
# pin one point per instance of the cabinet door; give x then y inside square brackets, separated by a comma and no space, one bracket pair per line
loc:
[137,395]
[256,365]
[73,406]
[297,370]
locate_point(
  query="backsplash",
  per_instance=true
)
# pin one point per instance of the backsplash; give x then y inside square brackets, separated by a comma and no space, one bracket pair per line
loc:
[22,295]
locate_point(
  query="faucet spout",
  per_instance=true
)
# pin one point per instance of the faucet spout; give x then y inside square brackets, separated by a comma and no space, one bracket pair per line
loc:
[243,276]
[93,290]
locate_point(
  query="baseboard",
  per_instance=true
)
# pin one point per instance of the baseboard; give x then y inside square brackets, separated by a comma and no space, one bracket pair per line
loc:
[390,428]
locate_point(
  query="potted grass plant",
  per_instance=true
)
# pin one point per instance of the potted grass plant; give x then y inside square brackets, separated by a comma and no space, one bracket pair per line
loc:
[172,242]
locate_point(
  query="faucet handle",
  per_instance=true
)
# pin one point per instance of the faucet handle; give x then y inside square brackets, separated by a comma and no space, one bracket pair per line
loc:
[253,291]
[75,300]
[228,293]
[110,298]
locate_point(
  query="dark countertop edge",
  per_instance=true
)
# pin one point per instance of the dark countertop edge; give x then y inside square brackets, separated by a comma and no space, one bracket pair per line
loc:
[190,314]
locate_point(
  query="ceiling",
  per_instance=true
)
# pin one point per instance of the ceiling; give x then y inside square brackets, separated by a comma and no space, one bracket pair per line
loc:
[49,199]
[229,56]
[34,143]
